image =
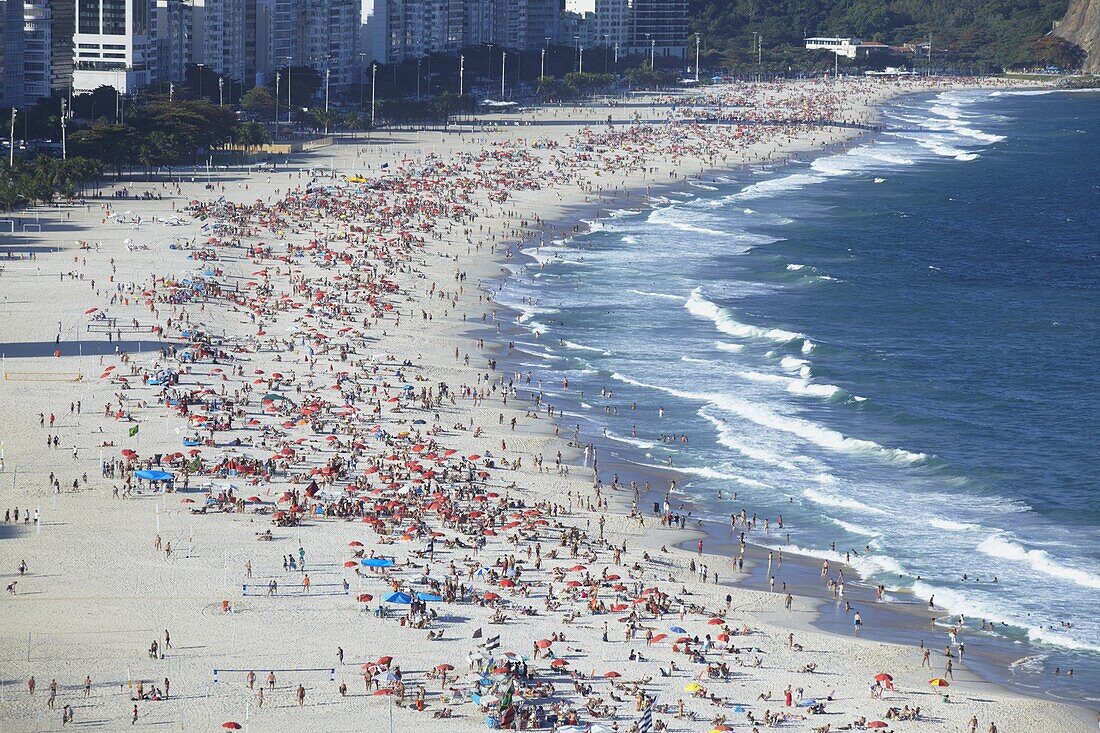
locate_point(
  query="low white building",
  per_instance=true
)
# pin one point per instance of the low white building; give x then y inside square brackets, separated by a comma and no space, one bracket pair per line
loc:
[847,47]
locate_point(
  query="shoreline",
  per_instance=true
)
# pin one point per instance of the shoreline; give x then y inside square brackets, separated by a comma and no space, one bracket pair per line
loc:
[905,611]
[131,595]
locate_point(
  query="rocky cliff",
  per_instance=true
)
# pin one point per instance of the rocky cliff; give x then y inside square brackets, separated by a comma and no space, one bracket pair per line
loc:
[1081,25]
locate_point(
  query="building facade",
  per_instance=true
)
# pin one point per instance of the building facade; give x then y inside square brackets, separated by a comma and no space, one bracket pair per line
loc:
[62,28]
[115,45]
[658,28]
[37,52]
[11,53]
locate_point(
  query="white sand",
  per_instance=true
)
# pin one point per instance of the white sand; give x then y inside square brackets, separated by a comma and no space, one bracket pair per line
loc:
[98,594]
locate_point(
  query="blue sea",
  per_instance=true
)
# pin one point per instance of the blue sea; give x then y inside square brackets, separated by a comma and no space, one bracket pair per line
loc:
[894,345]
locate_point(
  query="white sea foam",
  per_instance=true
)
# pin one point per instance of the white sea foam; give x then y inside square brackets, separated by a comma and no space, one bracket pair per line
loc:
[630,441]
[824,499]
[792,363]
[726,437]
[731,348]
[854,528]
[1039,560]
[661,296]
[582,347]
[723,320]
[795,267]
[809,431]
[666,217]
[953,526]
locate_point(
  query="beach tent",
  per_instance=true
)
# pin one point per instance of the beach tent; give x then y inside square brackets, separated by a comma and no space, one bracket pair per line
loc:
[428,597]
[378,562]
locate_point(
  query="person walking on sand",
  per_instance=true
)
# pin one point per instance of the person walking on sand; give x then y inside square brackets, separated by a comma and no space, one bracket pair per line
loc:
[251,679]
[301,695]
[271,680]
[133,715]
[31,684]
[260,697]
[87,686]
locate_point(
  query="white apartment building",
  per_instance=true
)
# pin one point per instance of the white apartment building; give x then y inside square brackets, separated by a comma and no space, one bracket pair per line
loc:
[114,45]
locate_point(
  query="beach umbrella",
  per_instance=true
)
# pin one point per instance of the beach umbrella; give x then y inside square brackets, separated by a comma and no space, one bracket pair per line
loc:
[559,663]
[231,725]
[678,630]
[365,598]
[716,621]
[659,637]
[351,564]
[507,583]
[883,677]
[387,676]
[444,667]
[938,682]
[692,687]
[543,643]
[383,691]
[878,724]
[384,661]
[611,675]
[398,597]
[355,543]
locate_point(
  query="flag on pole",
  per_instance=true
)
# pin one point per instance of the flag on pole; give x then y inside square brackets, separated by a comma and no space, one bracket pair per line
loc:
[477,634]
[493,642]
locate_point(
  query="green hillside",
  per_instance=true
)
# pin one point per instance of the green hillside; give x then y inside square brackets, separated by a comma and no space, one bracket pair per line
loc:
[967,34]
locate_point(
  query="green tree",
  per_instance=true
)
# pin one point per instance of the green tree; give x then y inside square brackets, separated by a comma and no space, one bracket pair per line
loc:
[259,101]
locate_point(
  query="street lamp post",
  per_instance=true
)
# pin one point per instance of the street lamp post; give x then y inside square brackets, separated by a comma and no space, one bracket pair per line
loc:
[653,54]
[373,86]
[11,149]
[461,72]
[200,67]
[503,72]
[542,67]
[326,99]
[278,82]
[64,148]
[221,91]
[697,58]
[289,107]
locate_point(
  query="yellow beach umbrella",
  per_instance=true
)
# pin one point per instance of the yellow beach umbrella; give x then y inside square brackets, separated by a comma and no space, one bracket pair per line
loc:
[938,682]
[692,687]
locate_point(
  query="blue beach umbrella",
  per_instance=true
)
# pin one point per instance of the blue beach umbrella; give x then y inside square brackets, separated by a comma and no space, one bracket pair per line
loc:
[398,597]
[678,630]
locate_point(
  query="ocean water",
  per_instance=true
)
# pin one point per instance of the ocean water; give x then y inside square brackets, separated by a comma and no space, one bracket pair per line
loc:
[895,346]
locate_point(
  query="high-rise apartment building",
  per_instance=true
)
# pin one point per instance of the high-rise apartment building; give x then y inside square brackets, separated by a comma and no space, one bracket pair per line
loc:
[229,38]
[37,52]
[115,45]
[613,24]
[62,28]
[11,53]
[175,39]
[321,34]
[658,28]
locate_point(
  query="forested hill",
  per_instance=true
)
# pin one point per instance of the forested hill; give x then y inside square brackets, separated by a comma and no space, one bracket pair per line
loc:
[990,33]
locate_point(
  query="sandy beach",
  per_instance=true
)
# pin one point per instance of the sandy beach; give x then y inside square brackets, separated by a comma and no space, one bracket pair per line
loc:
[214,378]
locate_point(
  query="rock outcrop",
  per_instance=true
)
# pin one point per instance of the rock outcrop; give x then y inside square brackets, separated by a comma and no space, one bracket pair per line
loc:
[1081,25]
